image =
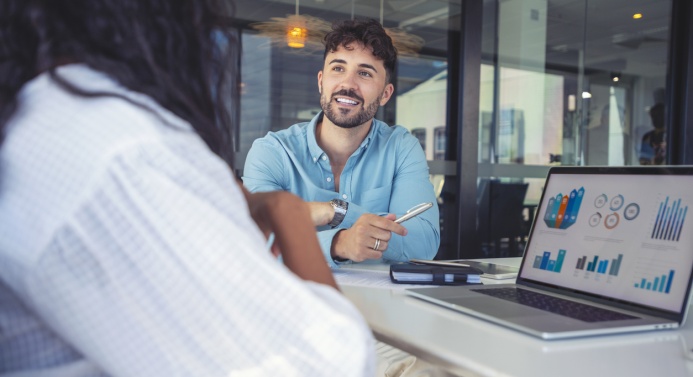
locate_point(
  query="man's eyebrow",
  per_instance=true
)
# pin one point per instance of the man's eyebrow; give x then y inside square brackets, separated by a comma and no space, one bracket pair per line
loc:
[368,66]
[362,65]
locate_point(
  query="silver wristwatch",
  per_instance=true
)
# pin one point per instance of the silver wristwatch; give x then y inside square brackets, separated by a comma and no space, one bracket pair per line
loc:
[340,210]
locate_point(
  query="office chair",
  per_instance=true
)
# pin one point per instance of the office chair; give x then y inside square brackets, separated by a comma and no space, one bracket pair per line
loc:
[500,217]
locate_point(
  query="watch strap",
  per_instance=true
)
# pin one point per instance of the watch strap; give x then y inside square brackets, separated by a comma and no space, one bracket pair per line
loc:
[340,210]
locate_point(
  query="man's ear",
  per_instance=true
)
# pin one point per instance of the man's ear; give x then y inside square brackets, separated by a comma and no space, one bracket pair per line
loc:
[320,82]
[387,94]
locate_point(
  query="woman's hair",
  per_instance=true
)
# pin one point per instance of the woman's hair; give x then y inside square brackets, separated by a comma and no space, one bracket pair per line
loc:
[177,52]
[367,32]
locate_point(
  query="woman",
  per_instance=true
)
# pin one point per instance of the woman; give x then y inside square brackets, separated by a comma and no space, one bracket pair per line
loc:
[126,246]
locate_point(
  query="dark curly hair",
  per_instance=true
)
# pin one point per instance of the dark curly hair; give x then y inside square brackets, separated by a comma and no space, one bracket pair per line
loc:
[177,52]
[367,32]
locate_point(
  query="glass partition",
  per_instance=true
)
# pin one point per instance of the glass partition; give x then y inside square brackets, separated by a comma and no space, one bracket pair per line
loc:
[567,83]
[563,82]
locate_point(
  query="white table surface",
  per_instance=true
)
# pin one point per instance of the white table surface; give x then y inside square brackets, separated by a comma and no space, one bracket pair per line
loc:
[473,347]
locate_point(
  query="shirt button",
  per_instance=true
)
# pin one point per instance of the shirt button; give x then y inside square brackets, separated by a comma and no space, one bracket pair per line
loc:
[329,179]
[315,159]
[344,196]
[324,158]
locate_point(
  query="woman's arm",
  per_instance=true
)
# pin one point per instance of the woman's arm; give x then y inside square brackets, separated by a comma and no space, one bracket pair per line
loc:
[289,218]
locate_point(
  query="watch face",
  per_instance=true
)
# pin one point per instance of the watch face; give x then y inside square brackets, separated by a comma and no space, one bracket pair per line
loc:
[338,203]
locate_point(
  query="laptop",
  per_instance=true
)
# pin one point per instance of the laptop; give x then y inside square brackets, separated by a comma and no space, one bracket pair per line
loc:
[610,251]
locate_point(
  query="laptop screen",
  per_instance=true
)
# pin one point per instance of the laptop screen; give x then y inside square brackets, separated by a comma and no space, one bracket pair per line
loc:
[618,233]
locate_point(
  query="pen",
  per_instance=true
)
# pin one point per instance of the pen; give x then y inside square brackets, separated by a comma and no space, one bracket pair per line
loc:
[451,263]
[417,209]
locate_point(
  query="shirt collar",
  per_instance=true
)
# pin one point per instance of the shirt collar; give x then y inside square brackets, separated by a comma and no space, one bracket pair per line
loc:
[316,152]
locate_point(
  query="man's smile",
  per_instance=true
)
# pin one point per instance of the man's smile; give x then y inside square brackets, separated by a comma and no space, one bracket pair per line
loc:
[347,97]
[346,101]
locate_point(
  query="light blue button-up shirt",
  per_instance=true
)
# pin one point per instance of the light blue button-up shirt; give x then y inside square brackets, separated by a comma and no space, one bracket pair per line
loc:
[388,173]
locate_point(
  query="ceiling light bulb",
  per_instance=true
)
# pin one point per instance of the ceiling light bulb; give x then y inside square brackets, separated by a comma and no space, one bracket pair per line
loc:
[296,37]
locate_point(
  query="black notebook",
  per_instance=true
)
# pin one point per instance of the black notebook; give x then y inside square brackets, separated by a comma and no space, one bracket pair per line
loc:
[434,275]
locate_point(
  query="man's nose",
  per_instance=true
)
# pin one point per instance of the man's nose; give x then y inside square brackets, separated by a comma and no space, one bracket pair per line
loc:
[349,81]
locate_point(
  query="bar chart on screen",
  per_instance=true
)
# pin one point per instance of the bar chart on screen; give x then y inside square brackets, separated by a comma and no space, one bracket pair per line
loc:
[598,267]
[544,261]
[660,283]
[669,221]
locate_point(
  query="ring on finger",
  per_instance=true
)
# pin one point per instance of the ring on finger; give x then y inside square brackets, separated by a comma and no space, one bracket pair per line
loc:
[377,244]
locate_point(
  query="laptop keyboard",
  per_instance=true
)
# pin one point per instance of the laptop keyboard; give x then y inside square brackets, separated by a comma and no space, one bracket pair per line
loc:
[567,308]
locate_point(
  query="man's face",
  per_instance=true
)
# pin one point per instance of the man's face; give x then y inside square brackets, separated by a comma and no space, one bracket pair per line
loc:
[352,86]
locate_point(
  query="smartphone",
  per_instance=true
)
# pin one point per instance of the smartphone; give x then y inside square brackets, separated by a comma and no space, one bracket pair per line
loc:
[417,209]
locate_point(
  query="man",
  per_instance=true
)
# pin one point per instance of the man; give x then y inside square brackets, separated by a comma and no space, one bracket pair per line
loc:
[653,143]
[356,172]
[126,246]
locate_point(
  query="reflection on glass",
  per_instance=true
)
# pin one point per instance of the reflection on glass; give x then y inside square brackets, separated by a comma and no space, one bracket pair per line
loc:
[529,129]
[580,95]
[570,83]
[422,107]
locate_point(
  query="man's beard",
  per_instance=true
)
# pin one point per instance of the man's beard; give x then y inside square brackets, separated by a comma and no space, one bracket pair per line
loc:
[340,117]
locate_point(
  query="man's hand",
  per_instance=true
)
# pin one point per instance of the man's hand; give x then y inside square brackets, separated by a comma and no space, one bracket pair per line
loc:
[359,242]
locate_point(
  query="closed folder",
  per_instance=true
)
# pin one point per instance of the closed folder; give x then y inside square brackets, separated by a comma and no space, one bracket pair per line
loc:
[434,275]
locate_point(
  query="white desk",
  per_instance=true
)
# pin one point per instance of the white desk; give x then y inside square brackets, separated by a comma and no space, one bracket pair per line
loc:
[473,347]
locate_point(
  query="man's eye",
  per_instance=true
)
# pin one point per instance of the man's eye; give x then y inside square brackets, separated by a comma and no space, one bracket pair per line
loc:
[366,74]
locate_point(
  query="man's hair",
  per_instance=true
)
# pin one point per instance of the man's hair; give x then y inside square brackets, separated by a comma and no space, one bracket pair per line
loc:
[367,32]
[177,52]
[657,115]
